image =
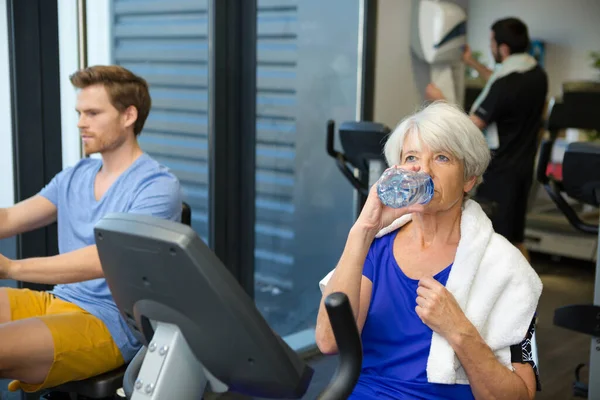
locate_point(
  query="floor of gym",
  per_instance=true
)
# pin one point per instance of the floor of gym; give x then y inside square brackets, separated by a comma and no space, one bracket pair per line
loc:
[560,351]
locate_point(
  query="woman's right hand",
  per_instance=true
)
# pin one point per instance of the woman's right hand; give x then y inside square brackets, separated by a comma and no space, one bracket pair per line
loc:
[375,215]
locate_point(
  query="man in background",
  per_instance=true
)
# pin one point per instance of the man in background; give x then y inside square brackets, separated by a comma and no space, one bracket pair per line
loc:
[509,112]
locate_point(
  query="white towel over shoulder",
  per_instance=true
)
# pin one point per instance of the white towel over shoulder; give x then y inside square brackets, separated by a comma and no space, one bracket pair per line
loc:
[495,287]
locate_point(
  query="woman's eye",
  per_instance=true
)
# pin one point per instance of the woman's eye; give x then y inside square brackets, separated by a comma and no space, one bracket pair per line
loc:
[442,157]
[409,158]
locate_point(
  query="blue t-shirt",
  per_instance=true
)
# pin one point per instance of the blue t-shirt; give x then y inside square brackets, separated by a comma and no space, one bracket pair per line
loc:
[395,341]
[145,187]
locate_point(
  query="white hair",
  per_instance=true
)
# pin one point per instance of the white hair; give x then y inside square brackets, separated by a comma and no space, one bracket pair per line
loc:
[443,127]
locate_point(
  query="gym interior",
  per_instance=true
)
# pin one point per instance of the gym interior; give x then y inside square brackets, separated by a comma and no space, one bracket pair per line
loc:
[250,99]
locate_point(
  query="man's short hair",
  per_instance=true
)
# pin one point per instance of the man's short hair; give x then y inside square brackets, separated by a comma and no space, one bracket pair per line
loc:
[513,33]
[124,89]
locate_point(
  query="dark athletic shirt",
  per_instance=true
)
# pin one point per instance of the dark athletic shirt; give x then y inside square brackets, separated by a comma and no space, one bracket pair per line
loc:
[515,103]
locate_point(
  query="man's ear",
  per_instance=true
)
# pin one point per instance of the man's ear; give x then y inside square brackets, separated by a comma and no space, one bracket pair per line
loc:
[504,50]
[130,115]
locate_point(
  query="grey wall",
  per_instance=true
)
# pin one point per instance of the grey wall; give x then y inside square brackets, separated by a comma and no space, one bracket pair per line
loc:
[570,28]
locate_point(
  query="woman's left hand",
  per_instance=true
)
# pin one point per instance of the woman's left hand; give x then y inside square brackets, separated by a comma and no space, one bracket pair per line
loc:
[438,309]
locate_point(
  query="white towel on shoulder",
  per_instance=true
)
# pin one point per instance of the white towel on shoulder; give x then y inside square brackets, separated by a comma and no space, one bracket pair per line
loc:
[495,287]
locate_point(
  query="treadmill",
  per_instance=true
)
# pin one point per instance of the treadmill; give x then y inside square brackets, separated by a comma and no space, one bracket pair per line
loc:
[201,332]
[581,182]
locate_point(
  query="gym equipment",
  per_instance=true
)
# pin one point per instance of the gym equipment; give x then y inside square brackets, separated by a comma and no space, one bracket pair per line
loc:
[104,385]
[438,36]
[581,181]
[362,161]
[199,328]
[548,230]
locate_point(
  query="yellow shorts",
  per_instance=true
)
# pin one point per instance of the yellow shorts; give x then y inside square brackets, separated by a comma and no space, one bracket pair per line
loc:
[83,346]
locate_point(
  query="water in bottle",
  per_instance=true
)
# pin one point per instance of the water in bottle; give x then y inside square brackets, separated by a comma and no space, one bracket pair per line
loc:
[399,188]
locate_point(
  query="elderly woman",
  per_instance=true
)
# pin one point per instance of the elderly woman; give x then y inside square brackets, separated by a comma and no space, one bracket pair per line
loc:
[444,305]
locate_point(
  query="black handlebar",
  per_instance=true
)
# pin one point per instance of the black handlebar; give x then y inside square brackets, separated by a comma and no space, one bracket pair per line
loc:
[330,139]
[543,161]
[583,318]
[349,346]
[341,161]
[553,190]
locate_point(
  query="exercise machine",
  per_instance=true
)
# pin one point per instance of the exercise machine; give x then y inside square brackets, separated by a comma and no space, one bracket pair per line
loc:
[361,161]
[548,230]
[99,387]
[580,181]
[199,329]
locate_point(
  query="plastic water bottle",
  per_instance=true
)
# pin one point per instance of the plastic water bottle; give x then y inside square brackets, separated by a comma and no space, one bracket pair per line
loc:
[399,188]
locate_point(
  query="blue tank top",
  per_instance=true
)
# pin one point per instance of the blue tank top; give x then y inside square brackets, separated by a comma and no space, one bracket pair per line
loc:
[395,341]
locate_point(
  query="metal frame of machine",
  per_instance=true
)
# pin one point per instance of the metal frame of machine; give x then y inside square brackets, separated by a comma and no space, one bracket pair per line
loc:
[581,181]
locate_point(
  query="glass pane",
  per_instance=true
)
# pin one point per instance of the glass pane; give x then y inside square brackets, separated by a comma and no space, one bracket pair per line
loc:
[8,247]
[167,44]
[307,72]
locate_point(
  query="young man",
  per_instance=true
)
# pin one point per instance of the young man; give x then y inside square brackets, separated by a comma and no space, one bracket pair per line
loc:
[509,111]
[75,331]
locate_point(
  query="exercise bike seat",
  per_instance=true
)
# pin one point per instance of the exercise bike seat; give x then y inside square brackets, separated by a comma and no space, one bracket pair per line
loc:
[97,387]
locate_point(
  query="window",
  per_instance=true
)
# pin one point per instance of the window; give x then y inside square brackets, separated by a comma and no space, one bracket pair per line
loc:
[166,43]
[7,196]
[307,72]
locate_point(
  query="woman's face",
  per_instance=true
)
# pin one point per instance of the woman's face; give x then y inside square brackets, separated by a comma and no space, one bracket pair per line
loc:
[446,171]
